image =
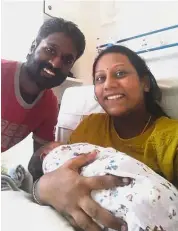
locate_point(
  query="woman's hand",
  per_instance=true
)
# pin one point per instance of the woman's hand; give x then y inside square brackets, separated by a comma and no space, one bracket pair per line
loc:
[70,194]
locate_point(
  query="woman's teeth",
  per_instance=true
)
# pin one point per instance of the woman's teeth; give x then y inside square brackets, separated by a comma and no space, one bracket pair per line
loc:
[49,72]
[115,97]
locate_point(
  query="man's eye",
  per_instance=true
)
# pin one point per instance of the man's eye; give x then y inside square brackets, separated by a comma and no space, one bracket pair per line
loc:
[50,50]
[68,59]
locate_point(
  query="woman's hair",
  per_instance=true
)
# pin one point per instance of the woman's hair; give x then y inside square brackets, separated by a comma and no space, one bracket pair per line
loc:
[151,97]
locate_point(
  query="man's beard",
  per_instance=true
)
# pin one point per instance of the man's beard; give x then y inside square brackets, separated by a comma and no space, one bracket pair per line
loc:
[35,69]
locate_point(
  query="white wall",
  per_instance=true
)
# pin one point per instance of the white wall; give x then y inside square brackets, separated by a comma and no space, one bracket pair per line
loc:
[133,18]
[20,22]
[113,20]
[84,14]
[107,20]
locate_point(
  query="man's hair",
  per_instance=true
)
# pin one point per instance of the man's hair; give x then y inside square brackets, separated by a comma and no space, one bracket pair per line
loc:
[70,29]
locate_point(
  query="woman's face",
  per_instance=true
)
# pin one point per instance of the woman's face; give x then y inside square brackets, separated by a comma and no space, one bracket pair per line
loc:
[118,88]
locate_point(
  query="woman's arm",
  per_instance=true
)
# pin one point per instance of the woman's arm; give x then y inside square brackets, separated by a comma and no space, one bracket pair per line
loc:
[35,163]
[176,170]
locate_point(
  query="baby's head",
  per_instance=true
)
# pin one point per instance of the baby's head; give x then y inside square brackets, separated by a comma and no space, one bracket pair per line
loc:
[46,149]
[34,167]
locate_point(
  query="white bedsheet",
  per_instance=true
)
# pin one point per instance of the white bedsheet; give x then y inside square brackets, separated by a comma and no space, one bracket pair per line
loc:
[20,213]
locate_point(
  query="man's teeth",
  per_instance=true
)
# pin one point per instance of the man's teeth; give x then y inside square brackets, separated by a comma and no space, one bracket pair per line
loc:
[115,97]
[48,71]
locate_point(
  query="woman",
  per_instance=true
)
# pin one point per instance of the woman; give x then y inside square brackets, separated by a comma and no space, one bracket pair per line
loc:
[134,123]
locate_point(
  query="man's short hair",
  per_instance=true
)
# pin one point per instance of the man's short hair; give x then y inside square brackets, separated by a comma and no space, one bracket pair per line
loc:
[69,28]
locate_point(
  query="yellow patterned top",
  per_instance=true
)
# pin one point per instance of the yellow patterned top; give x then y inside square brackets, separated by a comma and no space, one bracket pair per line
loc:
[156,147]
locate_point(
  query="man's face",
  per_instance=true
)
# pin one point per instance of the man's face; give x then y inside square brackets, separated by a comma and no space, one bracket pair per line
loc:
[52,60]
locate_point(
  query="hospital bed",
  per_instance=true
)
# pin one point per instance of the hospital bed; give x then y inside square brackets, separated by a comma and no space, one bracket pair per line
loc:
[18,210]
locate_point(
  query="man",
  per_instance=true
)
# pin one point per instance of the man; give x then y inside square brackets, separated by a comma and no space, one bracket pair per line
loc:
[29,106]
[28,103]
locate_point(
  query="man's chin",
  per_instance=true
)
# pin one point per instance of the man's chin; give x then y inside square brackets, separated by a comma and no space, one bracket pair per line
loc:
[44,82]
[43,86]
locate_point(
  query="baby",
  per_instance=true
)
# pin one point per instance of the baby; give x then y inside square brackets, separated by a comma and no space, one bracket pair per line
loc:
[149,203]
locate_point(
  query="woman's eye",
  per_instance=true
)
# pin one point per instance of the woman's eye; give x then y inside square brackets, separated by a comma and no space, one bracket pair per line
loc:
[99,79]
[120,74]
[50,50]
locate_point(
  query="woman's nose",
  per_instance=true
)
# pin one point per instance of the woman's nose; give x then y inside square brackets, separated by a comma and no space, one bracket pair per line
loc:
[110,81]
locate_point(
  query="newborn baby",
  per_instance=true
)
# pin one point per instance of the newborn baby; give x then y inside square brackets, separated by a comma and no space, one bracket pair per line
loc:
[149,203]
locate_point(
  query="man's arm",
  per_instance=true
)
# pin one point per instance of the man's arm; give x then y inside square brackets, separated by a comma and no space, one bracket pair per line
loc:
[36,146]
[44,134]
[35,164]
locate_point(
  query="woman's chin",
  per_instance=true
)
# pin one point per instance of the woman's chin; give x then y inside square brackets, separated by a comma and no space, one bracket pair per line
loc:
[115,112]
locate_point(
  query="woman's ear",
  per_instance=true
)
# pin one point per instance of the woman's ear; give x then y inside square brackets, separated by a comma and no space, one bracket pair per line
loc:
[146,84]
[146,89]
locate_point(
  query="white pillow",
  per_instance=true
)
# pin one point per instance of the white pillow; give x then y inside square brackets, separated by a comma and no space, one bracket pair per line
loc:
[77,102]
[169,102]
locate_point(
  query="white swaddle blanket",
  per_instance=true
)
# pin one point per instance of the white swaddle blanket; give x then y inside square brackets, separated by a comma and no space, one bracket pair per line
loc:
[149,203]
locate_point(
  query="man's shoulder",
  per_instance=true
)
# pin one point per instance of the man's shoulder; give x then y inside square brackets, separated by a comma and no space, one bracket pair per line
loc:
[8,67]
[50,96]
[8,63]
[49,100]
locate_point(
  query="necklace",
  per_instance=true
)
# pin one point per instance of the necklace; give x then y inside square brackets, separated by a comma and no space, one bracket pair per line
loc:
[146,125]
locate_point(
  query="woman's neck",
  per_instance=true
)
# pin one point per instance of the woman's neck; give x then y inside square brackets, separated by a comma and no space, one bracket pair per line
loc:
[133,124]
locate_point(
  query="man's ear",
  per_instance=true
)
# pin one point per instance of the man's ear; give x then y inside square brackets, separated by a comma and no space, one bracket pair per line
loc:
[33,47]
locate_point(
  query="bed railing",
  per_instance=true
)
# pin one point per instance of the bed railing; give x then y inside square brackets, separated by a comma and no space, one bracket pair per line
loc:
[147,49]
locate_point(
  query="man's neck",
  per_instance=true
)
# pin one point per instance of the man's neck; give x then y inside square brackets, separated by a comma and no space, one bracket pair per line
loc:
[28,88]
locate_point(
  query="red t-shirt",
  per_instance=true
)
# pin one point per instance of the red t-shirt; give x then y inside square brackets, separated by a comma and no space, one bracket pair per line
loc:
[18,118]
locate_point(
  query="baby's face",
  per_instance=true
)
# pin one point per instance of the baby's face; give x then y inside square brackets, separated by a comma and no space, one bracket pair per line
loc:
[44,151]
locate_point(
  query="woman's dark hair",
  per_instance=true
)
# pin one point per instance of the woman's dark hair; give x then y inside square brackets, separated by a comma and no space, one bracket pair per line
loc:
[54,25]
[151,97]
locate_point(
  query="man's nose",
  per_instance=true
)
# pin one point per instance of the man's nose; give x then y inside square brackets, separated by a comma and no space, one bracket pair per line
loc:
[56,62]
